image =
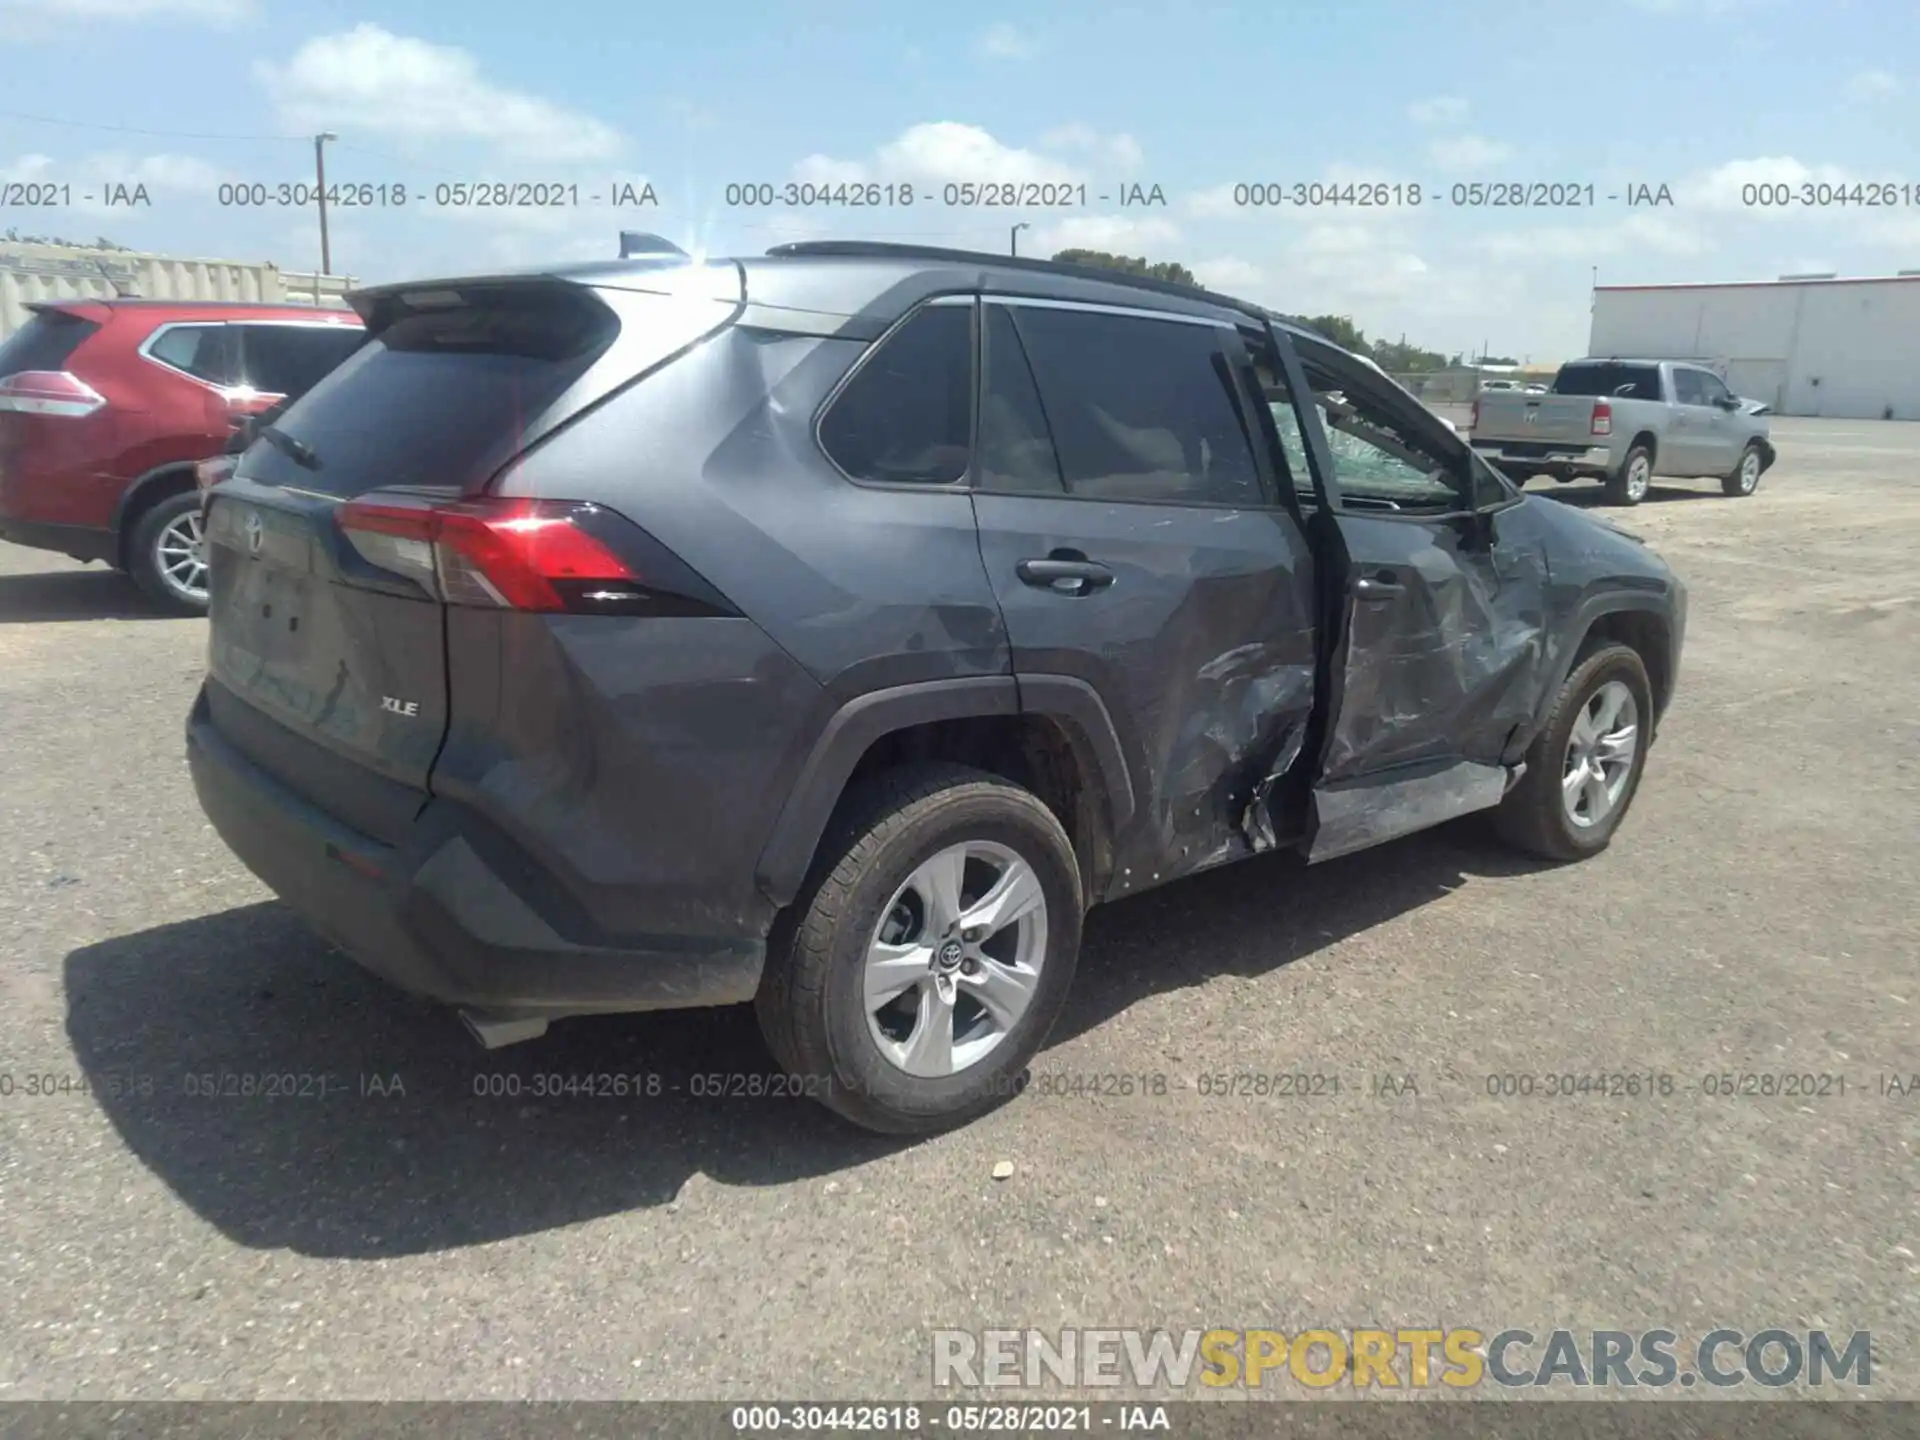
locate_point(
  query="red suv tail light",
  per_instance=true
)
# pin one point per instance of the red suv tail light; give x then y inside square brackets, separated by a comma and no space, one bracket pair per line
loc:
[1602,417]
[49,392]
[511,554]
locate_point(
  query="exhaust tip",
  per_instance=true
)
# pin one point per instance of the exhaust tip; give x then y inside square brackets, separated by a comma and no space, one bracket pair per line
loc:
[494,1031]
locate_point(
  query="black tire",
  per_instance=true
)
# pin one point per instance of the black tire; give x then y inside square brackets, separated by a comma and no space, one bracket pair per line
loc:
[1627,485]
[1533,817]
[1744,478]
[143,561]
[811,1004]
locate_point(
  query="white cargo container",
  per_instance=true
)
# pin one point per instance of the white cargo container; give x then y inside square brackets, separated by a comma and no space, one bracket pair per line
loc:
[1806,345]
[35,273]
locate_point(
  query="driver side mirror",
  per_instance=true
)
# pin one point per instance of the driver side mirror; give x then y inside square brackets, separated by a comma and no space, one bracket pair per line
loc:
[1726,402]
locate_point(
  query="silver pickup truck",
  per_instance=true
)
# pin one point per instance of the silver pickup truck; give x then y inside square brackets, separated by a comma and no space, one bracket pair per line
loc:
[1624,422]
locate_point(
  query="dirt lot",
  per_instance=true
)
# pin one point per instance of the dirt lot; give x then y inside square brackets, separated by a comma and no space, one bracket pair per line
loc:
[407,1237]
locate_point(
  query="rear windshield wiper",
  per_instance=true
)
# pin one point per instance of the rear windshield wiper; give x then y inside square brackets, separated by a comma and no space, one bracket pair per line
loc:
[298,451]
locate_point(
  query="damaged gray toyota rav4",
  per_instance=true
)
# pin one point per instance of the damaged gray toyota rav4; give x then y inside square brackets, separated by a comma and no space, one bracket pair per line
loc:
[830,629]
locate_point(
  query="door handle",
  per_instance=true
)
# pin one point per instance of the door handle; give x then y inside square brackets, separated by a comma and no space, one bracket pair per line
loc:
[1381,585]
[1067,576]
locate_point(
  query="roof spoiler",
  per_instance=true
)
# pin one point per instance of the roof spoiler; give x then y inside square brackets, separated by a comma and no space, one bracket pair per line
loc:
[639,242]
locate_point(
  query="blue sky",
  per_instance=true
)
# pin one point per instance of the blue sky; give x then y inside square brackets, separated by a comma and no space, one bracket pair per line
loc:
[1703,96]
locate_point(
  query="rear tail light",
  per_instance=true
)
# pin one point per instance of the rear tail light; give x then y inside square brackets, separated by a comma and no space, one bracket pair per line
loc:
[49,392]
[513,554]
[1602,417]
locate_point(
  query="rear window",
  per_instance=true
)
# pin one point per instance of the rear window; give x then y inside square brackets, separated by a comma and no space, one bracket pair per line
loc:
[45,342]
[1599,380]
[441,397]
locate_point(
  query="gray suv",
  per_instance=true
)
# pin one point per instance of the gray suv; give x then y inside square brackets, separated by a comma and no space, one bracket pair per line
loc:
[830,629]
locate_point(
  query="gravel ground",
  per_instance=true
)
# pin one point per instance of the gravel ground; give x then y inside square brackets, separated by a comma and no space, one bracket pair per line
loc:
[404,1237]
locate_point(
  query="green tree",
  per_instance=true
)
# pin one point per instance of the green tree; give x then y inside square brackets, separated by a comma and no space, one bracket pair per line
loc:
[1130,265]
[99,243]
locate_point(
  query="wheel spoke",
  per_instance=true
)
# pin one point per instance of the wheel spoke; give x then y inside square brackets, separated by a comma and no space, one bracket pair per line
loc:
[1583,731]
[1013,895]
[1571,782]
[1618,746]
[1606,709]
[894,969]
[938,880]
[929,1049]
[1599,801]
[1005,990]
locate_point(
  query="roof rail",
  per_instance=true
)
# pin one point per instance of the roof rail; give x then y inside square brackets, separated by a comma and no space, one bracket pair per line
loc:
[889,250]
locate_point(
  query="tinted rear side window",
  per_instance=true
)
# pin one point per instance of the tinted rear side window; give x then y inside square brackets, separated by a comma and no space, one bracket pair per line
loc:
[906,414]
[1598,380]
[1140,409]
[290,359]
[44,343]
[200,350]
[1016,448]
[441,397]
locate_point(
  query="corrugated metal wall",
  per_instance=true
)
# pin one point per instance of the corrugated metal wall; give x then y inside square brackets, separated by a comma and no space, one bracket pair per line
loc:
[30,273]
[1847,349]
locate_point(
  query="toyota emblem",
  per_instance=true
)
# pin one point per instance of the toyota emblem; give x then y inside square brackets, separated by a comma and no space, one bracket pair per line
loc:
[256,533]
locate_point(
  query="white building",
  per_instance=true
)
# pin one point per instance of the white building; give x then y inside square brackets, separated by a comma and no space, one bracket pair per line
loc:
[1808,345]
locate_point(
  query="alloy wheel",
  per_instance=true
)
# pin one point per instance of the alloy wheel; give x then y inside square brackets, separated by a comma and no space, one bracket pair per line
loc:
[955,960]
[180,557]
[1600,752]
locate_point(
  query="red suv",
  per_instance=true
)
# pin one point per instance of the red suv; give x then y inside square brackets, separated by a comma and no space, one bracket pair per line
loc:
[105,406]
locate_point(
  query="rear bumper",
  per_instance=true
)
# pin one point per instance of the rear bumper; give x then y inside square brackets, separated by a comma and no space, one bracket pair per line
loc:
[83,542]
[434,918]
[1574,460]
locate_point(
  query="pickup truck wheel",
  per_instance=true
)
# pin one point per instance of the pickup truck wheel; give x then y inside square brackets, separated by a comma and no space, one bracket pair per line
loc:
[1585,765]
[1629,484]
[1745,478]
[929,953]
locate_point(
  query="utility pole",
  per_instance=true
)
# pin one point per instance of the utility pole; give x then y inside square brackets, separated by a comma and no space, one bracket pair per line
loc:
[320,189]
[1013,238]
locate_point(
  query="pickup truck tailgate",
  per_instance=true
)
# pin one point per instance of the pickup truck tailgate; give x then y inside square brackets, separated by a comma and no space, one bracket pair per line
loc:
[1543,419]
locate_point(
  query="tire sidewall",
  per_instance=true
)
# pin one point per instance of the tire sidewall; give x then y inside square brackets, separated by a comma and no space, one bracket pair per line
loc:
[857,1060]
[1616,662]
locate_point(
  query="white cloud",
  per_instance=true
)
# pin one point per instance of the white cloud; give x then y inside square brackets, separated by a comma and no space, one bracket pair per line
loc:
[1006,42]
[1468,152]
[937,152]
[1121,153]
[1441,110]
[203,12]
[1638,234]
[1151,237]
[1725,187]
[165,177]
[1873,85]
[369,79]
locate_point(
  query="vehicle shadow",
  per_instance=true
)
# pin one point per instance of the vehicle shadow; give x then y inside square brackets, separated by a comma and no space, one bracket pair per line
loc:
[294,1102]
[1593,497]
[90,594]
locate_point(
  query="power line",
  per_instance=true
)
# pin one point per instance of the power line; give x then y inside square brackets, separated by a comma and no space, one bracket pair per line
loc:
[135,130]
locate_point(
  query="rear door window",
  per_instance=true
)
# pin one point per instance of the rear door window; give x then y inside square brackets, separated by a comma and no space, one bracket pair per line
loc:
[291,359]
[905,416]
[1016,447]
[45,342]
[201,351]
[1140,409]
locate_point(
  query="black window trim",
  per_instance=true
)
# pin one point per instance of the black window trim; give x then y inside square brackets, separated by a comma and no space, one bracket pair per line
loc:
[1263,469]
[965,484]
[145,350]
